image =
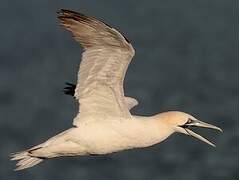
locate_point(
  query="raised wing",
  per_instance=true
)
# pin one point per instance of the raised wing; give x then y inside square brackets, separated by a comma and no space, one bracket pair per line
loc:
[69,89]
[102,70]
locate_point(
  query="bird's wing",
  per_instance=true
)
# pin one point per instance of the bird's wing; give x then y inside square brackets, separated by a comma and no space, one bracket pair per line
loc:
[69,89]
[105,60]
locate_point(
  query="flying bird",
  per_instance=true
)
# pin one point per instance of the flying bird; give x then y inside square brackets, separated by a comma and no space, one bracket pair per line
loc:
[104,123]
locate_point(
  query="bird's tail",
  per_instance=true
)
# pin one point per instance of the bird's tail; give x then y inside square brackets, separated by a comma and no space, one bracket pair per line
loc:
[25,160]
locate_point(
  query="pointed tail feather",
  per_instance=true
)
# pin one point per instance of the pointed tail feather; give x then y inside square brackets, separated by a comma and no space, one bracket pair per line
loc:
[25,160]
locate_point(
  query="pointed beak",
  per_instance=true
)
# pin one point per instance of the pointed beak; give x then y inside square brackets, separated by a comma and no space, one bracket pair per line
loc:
[197,123]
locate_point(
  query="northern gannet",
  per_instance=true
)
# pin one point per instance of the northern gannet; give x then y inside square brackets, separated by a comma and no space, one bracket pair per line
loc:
[104,123]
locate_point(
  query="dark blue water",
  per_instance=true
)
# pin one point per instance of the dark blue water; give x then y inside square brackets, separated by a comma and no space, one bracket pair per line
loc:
[187,59]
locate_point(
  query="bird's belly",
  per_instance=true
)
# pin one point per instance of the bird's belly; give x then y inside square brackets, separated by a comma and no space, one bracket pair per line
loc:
[106,142]
[104,139]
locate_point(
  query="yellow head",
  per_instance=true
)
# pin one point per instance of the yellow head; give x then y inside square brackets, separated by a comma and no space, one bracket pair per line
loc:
[181,122]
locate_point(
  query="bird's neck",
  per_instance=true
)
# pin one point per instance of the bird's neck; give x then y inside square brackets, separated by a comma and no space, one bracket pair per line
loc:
[152,130]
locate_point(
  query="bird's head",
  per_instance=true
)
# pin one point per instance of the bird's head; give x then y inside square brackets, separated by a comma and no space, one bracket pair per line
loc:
[182,122]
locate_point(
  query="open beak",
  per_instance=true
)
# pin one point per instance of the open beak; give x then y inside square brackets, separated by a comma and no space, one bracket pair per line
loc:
[197,123]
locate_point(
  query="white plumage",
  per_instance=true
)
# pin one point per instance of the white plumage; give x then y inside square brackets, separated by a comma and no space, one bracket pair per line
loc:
[104,123]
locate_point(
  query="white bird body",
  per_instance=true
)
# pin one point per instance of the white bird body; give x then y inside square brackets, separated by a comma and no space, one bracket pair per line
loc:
[104,123]
[94,137]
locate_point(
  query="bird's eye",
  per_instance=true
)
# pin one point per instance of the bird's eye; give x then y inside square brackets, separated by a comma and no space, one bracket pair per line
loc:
[189,121]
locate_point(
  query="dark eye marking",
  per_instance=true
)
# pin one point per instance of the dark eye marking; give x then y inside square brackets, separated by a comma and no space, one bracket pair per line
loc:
[184,126]
[187,124]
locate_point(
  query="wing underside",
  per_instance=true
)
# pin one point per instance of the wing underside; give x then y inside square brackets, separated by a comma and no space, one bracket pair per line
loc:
[69,89]
[105,60]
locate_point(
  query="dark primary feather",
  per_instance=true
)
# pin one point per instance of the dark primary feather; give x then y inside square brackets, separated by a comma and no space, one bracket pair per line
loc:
[89,31]
[69,89]
[63,13]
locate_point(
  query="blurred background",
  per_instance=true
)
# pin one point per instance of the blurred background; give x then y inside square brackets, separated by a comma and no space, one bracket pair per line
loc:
[186,59]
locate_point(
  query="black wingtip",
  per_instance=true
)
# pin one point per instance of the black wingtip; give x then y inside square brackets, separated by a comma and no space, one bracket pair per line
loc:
[65,14]
[69,89]
[69,13]
[60,11]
